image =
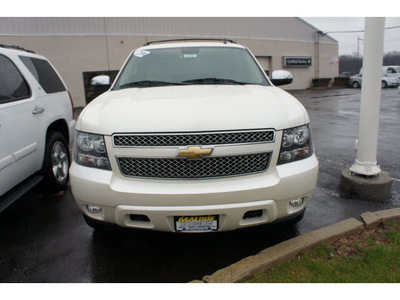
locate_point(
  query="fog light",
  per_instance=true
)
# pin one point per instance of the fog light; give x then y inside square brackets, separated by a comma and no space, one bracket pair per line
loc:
[93,209]
[297,202]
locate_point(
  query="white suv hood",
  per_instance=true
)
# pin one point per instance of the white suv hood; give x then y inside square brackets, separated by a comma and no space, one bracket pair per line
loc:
[192,108]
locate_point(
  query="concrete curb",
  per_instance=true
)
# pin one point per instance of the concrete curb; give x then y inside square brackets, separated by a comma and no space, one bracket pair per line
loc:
[245,268]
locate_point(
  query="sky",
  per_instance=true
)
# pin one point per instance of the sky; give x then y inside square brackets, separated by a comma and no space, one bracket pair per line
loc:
[349,43]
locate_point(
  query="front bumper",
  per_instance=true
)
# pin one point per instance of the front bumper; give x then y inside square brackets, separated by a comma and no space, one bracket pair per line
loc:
[161,200]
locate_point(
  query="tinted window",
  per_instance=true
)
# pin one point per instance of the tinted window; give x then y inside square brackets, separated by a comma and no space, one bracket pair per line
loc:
[12,85]
[44,74]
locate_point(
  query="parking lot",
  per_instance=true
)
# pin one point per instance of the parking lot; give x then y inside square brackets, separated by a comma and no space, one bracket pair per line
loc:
[45,239]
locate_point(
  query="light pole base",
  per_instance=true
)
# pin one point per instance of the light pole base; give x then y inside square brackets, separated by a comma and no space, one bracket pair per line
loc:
[367,188]
[365,168]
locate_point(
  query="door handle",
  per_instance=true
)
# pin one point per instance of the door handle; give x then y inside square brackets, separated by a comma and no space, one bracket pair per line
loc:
[38,110]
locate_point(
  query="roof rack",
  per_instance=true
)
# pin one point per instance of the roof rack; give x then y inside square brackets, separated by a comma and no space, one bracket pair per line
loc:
[16,47]
[193,39]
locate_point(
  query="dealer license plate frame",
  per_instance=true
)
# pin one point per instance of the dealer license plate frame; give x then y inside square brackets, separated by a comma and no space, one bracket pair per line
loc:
[203,223]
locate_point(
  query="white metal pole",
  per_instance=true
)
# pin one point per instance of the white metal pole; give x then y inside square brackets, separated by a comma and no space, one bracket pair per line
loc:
[367,144]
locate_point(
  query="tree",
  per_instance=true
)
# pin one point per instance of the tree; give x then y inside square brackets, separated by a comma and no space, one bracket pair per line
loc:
[350,63]
[392,58]
[353,63]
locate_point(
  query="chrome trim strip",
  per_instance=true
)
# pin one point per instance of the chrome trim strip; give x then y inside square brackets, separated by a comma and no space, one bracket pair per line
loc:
[194,133]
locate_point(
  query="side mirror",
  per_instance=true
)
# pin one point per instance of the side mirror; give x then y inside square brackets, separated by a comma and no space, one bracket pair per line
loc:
[281,77]
[101,83]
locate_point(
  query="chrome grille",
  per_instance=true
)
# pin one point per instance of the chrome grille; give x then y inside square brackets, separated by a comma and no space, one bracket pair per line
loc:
[197,168]
[184,139]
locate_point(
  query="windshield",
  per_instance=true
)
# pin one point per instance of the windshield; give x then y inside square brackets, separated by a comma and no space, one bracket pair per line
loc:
[190,65]
[397,69]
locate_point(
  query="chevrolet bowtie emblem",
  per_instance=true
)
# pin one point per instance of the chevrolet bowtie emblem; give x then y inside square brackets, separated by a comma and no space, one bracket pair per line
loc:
[194,152]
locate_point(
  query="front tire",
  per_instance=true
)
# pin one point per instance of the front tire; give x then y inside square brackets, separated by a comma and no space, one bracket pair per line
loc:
[355,85]
[56,163]
[384,84]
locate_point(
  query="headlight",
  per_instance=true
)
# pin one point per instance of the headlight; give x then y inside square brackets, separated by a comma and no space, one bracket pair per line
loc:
[296,144]
[90,151]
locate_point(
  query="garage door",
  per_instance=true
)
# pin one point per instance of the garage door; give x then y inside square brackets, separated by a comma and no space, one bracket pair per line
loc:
[265,62]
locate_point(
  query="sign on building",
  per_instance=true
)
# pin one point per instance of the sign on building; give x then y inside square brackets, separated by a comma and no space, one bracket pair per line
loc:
[297,61]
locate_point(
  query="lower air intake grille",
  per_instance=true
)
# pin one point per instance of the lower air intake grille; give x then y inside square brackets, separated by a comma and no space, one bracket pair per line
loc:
[197,168]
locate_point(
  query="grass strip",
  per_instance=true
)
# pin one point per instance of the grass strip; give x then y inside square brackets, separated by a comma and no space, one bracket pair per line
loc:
[371,256]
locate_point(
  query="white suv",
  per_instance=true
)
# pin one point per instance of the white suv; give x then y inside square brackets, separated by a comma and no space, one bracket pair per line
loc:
[193,137]
[36,124]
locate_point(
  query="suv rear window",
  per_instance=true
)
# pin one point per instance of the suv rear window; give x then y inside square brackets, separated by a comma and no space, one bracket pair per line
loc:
[44,74]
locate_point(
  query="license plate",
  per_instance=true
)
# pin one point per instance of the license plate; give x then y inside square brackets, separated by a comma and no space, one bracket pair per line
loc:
[196,223]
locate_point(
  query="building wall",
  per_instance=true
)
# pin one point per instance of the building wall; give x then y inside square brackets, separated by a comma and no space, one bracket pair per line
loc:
[302,75]
[77,45]
[272,28]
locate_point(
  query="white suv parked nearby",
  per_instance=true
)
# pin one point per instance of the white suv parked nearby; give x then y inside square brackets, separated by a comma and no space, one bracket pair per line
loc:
[193,137]
[36,124]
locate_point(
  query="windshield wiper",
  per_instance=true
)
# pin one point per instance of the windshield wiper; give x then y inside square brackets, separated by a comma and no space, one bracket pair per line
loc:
[148,83]
[213,80]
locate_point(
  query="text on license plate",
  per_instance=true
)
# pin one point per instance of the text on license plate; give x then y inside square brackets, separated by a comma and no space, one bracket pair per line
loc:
[196,223]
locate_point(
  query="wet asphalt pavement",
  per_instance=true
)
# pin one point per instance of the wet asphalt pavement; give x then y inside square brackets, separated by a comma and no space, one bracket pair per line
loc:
[45,239]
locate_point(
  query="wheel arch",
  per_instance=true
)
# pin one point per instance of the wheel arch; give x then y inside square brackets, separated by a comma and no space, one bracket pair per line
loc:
[59,126]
